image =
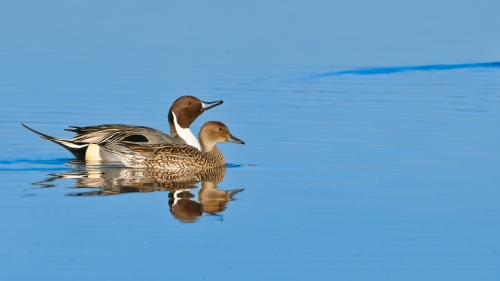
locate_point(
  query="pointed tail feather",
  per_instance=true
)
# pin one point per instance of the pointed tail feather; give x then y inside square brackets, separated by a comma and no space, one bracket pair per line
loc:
[42,135]
[76,148]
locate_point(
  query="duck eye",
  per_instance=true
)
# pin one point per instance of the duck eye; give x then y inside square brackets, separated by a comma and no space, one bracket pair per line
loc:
[220,129]
[189,103]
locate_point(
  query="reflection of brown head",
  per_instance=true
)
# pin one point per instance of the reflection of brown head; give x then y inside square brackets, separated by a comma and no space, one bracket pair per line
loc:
[214,200]
[214,205]
[186,210]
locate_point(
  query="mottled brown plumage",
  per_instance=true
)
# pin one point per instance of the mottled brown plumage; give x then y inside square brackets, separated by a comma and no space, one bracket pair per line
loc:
[177,156]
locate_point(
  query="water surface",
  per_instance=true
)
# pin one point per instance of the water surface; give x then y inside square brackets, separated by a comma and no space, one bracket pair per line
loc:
[371,138]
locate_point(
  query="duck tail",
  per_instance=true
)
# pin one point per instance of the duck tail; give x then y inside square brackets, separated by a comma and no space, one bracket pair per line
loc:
[76,148]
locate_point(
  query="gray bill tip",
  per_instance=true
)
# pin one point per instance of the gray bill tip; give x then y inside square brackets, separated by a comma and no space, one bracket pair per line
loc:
[232,138]
[207,105]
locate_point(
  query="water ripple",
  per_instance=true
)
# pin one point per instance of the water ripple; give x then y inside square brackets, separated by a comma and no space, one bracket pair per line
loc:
[27,164]
[34,161]
[398,69]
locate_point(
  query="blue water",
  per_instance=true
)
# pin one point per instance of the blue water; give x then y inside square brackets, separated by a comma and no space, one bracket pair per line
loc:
[371,136]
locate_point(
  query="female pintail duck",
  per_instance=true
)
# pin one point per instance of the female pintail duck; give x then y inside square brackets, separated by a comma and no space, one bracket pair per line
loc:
[181,115]
[176,156]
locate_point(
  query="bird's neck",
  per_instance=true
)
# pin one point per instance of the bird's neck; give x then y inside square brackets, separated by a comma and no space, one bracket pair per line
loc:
[185,134]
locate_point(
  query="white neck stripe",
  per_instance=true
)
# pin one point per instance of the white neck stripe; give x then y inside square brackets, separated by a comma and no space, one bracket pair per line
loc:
[186,134]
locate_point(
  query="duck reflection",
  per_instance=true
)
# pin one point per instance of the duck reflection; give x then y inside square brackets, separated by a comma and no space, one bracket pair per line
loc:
[211,201]
[184,205]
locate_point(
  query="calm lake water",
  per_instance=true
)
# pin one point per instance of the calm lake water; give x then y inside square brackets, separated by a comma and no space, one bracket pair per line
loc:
[372,137]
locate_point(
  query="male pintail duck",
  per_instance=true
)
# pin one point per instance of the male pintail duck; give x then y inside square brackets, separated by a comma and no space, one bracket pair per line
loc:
[180,116]
[177,156]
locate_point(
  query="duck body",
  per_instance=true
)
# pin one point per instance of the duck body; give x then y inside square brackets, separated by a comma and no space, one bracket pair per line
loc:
[177,157]
[92,135]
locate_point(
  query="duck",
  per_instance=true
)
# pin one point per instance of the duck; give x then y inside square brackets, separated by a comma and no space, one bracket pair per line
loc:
[85,145]
[177,157]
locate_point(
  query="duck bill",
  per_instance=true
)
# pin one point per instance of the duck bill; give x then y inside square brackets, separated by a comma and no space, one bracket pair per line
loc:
[207,105]
[231,138]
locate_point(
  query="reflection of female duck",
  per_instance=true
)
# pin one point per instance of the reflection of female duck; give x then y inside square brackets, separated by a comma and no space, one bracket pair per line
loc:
[182,206]
[176,156]
[124,180]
